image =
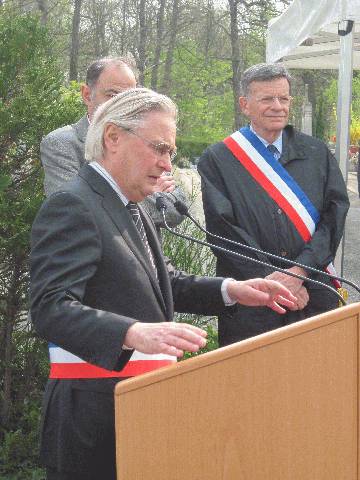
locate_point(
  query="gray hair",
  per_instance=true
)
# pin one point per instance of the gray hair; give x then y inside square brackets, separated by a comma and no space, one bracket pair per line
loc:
[126,110]
[263,72]
[96,68]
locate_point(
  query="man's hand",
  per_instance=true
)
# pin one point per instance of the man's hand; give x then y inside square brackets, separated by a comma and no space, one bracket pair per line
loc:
[261,292]
[170,338]
[302,299]
[292,283]
[166,183]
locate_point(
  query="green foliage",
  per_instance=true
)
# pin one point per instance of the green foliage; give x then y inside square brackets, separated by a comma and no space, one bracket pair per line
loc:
[197,260]
[32,102]
[71,105]
[330,98]
[19,448]
[212,337]
[202,90]
[189,148]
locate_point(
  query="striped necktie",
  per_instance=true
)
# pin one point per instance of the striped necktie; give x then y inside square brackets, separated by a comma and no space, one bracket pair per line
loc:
[135,214]
[273,150]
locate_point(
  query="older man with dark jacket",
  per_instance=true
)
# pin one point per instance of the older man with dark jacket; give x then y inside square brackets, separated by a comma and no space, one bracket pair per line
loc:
[102,293]
[274,188]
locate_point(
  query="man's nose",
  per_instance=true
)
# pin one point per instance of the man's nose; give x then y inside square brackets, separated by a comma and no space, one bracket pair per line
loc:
[276,103]
[165,162]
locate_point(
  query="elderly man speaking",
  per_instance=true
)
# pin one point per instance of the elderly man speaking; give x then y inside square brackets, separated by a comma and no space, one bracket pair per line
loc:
[102,293]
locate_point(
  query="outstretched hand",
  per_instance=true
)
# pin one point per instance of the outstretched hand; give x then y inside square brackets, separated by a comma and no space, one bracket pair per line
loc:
[170,338]
[262,292]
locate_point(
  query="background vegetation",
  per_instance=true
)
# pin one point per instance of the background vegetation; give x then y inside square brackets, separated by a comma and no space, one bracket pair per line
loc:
[195,51]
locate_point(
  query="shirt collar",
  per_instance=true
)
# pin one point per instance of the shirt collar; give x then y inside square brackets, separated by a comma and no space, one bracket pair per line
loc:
[106,175]
[278,143]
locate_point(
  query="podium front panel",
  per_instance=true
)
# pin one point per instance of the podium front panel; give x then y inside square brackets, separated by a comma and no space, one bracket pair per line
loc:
[280,406]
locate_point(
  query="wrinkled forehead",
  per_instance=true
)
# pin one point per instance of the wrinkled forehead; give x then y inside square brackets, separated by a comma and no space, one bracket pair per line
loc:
[276,86]
[117,76]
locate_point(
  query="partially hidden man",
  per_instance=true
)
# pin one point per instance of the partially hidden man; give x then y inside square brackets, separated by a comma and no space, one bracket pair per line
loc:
[103,295]
[274,188]
[63,150]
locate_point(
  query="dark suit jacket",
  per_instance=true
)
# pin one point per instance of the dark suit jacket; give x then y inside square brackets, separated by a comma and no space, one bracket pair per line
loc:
[90,280]
[236,207]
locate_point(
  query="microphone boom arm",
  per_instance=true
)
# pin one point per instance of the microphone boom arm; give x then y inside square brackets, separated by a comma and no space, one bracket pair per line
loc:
[162,207]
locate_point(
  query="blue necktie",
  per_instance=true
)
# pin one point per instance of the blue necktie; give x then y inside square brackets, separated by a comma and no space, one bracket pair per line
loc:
[272,149]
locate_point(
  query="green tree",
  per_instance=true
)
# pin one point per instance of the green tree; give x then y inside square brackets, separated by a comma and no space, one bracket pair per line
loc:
[32,102]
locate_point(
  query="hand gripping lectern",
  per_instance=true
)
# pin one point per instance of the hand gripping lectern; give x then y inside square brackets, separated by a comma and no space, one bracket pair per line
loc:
[280,406]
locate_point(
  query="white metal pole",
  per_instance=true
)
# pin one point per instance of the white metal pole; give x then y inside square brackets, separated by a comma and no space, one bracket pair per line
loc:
[346,32]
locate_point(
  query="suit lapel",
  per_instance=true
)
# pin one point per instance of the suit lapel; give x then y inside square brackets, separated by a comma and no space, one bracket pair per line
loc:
[292,150]
[120,216]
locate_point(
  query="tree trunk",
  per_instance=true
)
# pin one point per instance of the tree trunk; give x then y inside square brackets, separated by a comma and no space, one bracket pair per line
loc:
[100,15]
[75,40]
[235,60]
[159,44]
[13,304]
[123,34]
[166,85]
[44,11]
[142,41]
[209,28]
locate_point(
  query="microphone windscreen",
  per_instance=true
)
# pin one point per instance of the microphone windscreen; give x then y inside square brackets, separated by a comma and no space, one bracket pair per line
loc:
[159,203]
[181,207]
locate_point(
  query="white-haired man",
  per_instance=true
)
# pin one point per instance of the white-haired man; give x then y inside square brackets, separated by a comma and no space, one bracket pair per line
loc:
[101,291]
[62,150]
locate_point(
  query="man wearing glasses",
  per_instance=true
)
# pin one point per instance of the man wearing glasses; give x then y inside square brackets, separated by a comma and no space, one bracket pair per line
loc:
[101,291]
[278,190]
[62,151]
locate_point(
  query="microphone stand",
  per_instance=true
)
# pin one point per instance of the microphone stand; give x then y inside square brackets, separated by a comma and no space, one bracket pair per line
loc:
[162,207]
[183,210]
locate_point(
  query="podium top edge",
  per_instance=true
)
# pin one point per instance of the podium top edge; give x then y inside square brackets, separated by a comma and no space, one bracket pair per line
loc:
[250,344]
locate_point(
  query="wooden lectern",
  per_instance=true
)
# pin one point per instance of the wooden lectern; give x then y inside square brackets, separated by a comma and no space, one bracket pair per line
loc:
[280,406]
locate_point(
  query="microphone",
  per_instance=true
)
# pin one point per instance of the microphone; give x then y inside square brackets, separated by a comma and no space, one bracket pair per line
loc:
[161,206]
[183,210]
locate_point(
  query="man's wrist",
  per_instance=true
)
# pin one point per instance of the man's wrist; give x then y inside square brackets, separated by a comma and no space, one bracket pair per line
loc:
[228,301]
[298,271]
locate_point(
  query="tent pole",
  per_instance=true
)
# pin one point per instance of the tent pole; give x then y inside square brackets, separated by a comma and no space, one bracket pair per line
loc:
[346,33]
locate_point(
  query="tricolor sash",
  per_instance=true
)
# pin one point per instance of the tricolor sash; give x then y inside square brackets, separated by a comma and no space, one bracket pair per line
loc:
[64,364]
[277,183]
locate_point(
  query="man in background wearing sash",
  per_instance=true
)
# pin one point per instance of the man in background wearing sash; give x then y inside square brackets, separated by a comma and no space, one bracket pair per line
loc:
[103,295]
[278,190]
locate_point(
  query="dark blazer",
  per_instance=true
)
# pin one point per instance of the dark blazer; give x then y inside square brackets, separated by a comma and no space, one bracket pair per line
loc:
[90,280]
[236,207]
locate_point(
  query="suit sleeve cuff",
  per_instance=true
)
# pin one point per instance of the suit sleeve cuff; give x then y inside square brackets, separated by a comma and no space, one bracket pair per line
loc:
[226,298]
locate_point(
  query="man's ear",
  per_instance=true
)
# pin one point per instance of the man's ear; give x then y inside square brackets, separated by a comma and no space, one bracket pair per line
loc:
[243,105]
[111,137]
[86,94]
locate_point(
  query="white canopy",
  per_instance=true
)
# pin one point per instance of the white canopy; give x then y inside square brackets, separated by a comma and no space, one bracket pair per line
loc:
[319,21]
[320,34]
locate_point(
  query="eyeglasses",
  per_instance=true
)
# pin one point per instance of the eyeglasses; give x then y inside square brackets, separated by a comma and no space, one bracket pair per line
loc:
[283,100]
[161,148]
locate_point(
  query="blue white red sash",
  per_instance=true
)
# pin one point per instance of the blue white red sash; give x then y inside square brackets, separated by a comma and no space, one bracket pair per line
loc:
[64,364]
[277,183]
